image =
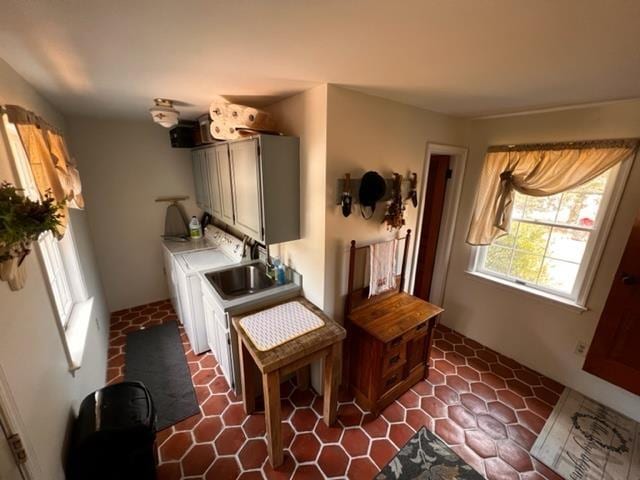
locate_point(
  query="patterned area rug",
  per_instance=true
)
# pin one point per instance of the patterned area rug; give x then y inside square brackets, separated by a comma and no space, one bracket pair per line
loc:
[584,440]
[426,457]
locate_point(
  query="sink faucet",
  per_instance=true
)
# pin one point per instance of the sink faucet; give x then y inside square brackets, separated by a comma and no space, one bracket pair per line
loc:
[271,268]
[245,239]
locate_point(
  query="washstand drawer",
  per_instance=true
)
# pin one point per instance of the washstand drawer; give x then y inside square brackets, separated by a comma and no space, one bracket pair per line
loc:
[394,358]
[391,379]
[417,331]
[393,345]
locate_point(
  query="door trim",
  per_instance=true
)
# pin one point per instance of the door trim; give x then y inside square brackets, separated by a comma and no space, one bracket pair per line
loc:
[10,424]
[457,164]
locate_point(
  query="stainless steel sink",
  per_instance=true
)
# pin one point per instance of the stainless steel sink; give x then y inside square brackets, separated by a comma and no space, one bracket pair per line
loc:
[240,281]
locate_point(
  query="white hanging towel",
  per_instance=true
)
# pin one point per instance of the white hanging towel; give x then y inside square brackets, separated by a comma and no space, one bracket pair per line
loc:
[382,271]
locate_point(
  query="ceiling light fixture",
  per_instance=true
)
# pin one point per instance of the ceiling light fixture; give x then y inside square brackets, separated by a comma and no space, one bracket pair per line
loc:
[163,113]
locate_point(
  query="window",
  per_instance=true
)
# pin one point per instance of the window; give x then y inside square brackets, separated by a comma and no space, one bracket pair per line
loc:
[554,242]
[60,258]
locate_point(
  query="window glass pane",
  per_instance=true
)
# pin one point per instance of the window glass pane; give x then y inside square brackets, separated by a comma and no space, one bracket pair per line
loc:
[597,185]
[579,209]
[532,238]
[548,238]
[508,240]
[567,244]
[558,275]
[542,208]
[498,259]
[526,266]
[518,205]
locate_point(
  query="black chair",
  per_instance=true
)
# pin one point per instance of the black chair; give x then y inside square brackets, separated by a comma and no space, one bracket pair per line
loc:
[114,435]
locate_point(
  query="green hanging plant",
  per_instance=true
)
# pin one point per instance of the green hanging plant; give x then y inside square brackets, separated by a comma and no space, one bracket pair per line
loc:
[23,220]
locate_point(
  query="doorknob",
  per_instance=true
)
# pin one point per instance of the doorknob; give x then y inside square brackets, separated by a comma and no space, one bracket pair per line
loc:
[629,279]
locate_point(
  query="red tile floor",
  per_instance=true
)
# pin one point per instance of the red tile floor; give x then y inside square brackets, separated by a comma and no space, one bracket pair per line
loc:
[487,407]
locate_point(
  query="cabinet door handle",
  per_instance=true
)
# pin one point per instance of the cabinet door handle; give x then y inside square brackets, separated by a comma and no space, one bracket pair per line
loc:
[393,360]
[629,279]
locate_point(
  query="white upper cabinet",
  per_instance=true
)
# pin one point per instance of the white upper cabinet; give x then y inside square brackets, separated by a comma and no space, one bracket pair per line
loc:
[254,186]
[247,188]
[214,183]
[201,179]
[224,179]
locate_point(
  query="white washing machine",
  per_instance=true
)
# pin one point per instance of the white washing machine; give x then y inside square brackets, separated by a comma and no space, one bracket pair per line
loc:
[226,250]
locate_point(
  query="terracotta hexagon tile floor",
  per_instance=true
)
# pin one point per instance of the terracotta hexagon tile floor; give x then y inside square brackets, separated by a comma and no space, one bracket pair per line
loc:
[486,406]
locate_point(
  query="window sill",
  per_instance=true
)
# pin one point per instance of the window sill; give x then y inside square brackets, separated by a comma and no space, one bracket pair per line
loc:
[76,333]
[531,292]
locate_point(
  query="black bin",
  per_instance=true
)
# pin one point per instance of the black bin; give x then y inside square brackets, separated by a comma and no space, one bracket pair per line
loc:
[114,435]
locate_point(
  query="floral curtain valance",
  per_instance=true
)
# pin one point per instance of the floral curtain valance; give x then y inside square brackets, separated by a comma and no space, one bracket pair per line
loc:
[53,170]
[537,170]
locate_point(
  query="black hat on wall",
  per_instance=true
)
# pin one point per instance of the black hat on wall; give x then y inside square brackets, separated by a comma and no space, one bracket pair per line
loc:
[372,190]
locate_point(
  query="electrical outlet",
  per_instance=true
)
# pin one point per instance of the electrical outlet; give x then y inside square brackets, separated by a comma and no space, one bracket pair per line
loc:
[581,347]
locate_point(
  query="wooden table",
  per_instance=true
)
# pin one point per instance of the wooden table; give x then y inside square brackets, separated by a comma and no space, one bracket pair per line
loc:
[323,343]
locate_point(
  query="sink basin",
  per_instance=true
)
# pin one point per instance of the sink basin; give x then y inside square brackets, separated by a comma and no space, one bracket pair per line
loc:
[240,281]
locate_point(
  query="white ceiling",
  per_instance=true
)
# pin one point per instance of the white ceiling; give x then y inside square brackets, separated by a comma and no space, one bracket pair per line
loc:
[462,57]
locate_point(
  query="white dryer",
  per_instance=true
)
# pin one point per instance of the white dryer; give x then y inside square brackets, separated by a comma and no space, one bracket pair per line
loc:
[225,250]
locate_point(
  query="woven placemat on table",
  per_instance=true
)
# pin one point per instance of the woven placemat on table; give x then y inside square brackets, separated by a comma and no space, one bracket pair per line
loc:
[272,327]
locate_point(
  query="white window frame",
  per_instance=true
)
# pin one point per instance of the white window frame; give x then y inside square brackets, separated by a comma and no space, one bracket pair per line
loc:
[591,258]
[60,260]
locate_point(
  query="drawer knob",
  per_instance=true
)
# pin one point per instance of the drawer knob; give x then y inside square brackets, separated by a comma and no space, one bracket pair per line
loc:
[391,381]
[396,341]
[393,360]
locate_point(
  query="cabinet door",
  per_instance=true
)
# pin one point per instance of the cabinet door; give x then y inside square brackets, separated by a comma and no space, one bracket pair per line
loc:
[196,164]
[224,179]
[205,195]
[210,324]
[224,348]
[247,188]
[214,183]
[168,271]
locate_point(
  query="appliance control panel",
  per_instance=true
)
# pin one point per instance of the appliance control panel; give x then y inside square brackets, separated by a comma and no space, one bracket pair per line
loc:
[230,245]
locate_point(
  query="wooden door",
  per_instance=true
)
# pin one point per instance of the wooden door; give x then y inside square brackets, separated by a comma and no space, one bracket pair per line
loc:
[214,183]
[225,182]
[613,354]
[247,187]
[431,218]
[9,469]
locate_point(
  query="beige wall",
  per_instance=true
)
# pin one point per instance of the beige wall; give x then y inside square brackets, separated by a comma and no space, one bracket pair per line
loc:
[125,165]
[305,116]
[371,133]
[32,358]
[537,333]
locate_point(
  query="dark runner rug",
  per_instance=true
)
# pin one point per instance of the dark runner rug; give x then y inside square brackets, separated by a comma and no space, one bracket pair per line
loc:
[155,357]
[426,457]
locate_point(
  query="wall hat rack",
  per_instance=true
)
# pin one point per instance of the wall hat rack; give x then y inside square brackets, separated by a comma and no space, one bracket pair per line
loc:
[408,184]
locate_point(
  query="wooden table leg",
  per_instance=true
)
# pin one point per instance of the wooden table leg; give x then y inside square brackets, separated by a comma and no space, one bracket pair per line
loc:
[271,389]
[248,371]
[302,377]
[331,368]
